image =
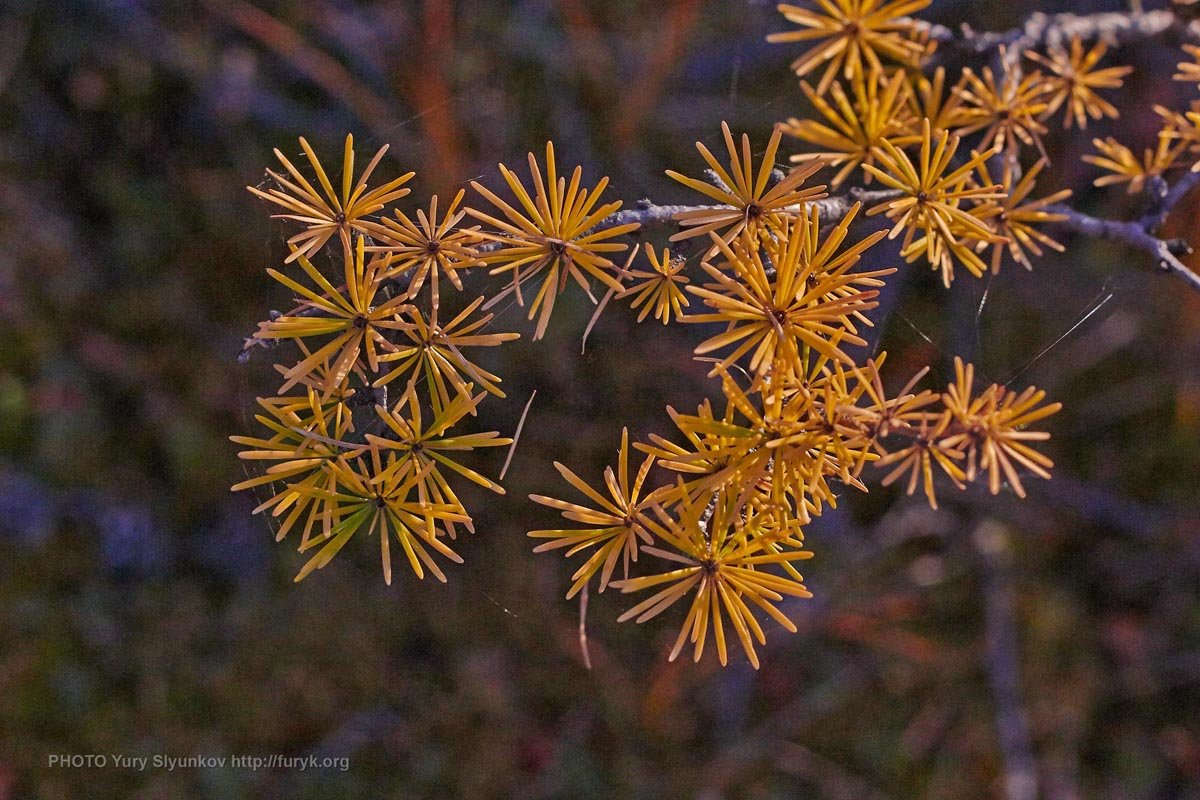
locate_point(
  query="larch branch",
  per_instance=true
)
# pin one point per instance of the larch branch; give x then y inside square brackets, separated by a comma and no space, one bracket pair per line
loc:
[1038,31]
[1138,234]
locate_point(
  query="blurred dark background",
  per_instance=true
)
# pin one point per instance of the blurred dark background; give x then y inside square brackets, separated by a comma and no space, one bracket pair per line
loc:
[996,648]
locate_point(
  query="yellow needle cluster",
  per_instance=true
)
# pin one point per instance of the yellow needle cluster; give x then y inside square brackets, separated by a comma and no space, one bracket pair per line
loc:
[340,458]
[720,508]
[883,122]
[1177,145]
[371,432]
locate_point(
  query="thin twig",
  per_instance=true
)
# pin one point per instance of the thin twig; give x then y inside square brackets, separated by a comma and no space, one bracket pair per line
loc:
[583,637]
[1056,30]
[1135,234]
[1171,197]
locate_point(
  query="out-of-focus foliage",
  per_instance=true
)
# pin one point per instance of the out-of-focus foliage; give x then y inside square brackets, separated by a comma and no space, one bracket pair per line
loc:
[143,611]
